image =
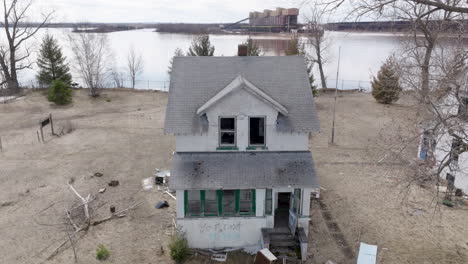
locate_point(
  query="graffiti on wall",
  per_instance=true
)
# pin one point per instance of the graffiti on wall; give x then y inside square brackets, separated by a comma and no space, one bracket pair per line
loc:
[221,231]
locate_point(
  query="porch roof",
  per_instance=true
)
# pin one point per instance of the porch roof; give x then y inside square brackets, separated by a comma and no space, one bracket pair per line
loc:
[242,170]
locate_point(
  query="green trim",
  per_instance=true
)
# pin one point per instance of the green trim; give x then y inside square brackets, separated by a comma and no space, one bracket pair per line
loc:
[202,205]
[185,202]
[254,203]
[220,202]
[256,148]
[227,148]
[236,207]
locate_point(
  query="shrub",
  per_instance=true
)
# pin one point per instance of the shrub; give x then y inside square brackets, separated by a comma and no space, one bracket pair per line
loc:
[59,93]
[102,253]
[179,248]
[386,86]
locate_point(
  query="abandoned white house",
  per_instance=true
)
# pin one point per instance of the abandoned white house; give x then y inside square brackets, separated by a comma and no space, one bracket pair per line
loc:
[242,168]
[446,146]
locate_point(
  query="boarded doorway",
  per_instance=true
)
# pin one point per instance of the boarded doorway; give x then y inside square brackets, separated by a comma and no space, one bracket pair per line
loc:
[282,210]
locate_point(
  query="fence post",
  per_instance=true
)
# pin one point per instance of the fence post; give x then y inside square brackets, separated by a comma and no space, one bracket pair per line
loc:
[51,124]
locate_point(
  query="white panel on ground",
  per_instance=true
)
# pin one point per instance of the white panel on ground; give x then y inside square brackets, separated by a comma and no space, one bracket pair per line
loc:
[367,254]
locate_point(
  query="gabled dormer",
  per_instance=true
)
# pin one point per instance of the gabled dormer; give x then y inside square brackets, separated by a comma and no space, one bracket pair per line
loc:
[240,104]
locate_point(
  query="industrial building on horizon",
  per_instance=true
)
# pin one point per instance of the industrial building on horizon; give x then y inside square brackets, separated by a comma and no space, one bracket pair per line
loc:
[279,20]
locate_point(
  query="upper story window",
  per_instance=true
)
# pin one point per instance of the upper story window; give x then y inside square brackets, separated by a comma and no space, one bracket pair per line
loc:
[227,131]
[256,131]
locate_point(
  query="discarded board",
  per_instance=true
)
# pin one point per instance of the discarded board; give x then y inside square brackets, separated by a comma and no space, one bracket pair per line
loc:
[367,254]
[264,256]
[44,123]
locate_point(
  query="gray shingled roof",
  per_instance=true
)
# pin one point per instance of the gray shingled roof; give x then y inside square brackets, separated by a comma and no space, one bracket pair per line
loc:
[242,170]
[194,80]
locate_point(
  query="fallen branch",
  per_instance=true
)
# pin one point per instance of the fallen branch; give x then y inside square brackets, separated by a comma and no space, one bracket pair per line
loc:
[119,214]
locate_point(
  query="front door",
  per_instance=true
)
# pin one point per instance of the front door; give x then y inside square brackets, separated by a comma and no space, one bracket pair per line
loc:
[294,210]
[282,210]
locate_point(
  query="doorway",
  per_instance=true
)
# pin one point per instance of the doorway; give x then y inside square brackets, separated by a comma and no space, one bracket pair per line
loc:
[282,210]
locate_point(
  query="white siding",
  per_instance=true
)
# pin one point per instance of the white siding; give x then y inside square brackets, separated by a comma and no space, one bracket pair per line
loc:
[242,104]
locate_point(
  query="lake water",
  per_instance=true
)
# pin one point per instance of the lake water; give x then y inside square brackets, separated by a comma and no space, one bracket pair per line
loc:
[361,53]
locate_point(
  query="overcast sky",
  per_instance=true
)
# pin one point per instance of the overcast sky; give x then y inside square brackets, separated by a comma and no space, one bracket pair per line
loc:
[193,11]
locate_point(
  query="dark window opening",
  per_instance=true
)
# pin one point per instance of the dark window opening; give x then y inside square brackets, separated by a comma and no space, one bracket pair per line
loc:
[245,201]
[463,108]
[194,203]
[268,201]
[227,131]
[211,203]
[257,131]
[229,202]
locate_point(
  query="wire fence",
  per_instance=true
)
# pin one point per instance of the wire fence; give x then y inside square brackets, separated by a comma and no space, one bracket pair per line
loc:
[155,85]
[364,86]
[123,83]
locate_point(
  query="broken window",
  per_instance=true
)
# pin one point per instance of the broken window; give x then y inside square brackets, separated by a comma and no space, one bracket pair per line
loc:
[193,206]
[257,131]
[246,201]
[268,201]
[297,200]
[211,203]
[227,131]
[229,202]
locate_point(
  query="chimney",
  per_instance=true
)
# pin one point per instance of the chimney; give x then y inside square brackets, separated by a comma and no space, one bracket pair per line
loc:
[242,50]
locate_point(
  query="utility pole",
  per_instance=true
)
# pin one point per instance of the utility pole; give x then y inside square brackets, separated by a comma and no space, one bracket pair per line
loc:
[336,94]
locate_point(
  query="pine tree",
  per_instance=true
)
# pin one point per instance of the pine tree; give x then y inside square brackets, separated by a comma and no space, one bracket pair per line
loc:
[177,53]
[252,48]
[201,46]
[297,48]
[385,87]
[52,64]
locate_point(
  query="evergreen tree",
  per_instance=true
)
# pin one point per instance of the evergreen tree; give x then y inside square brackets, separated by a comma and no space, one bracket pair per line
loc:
[51,62]
[59,93]
[201,46]
[386,87]
[252,48]
[296,48]
[177,53]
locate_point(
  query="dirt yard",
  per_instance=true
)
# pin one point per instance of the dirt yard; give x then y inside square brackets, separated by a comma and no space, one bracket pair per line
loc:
[121,136]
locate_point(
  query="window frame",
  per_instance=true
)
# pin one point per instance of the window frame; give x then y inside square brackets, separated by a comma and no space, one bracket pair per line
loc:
[220,131]
[265,132]
[220,206]
[268,209]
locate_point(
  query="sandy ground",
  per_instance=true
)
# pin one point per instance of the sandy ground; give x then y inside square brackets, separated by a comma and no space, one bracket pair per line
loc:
[121,135]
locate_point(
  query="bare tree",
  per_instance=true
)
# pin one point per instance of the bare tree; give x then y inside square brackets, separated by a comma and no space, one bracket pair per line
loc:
[92,58]
[134,65]
[14,53]
[317,39]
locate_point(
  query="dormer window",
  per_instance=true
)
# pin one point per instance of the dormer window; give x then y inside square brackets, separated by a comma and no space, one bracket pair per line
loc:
[256,131]
[227,131]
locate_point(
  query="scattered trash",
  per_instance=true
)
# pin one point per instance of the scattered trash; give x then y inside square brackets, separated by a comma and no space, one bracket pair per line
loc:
[148,183]
[162,204]
[458,193]
[112,209]
[417,211]
[113,183]
[367,254]
[170,194]
[102,190]
[465,196]
[159,180]
[330,262]
[264,256]
[252,250]
[447,203]
[220,257]
[98,174]
[160,176]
